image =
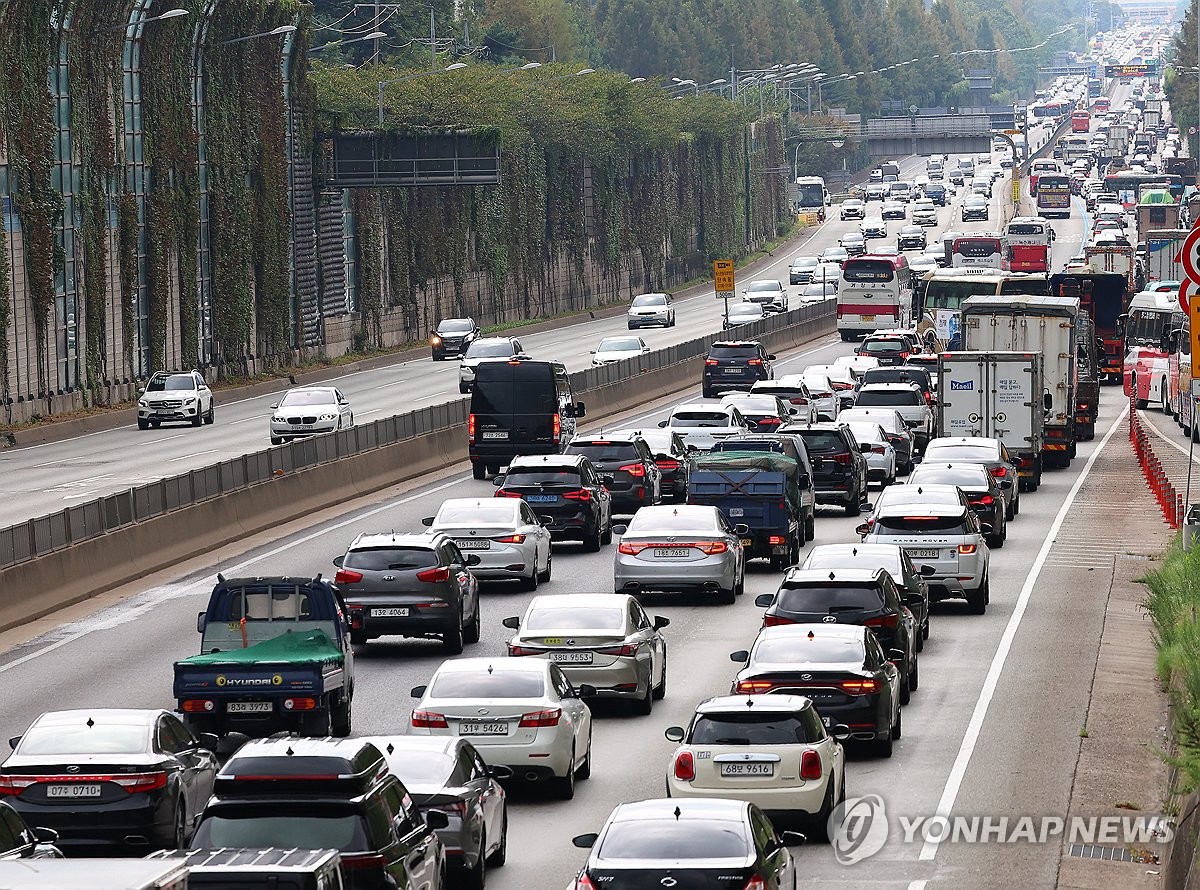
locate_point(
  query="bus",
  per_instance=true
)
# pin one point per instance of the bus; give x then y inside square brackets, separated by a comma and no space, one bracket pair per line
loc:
[875,293]
[810,193]
[1128,185]
[1037,168]
[986,250]
[1179,379]
[1029,230]
[1081,121]
[1095,87]
[1101,105]
[1151,316]
[946,289]
[1054,196]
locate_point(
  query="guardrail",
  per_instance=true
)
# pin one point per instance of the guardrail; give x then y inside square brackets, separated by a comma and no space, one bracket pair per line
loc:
[86,522]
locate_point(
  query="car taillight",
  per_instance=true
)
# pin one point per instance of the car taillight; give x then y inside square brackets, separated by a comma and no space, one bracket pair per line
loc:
[966,549]
[583,882]
[769,421]
[843,386]
[557,427]
[546,717]
[197,705]
[754,687]
[626,651]
[754,361]
[429,720]
[685,766]
[471,427]
[14,785]
[434,575]
[517,651]
[878,449]
[636,470]
[985,501]
[888,621]
[360,861]
[134,783]
[810,765]
[710,362]
[859,687]
[711,548]
[1001,472]
[799,401]
[582,495]
[631,549]
[776,539]
[756,883]
[667,464]
[905,354]
[300,703]
[347,576]
[501,493]
[845,458]
[510,539]
[453,808]
[775,621]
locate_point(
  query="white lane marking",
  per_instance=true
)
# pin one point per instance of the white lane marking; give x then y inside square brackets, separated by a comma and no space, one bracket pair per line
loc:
[917,885]
[1164,437]
[172,460]
[959,770]
[393,383]
[432,395]
[247,419]
[368,411]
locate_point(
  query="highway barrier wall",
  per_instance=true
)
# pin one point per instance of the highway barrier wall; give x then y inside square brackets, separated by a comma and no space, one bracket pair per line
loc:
[63,558]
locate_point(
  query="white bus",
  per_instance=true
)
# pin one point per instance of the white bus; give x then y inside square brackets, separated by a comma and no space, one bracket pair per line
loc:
[875,293]
[988,250]
[811,193]
[1029,230]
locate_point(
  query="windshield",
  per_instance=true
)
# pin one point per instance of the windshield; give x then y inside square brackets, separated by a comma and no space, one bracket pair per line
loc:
[650,300]
[301,397]
[869,270]
[748,729]
[659,521]
[756,286]
[810,194]
[456,326]
[950,293]
[101,738]
[670,839]
[499,684]
[421,767]
[260,830]
[623,344]
[173,383]
[493,349]
[1146,326]
[575,618]
[830,598]
[883,346]
[805,262]
[700,419]
[523,476]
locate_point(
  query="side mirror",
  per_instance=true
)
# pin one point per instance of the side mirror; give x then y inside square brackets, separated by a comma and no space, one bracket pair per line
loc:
[585,841]
[792,839]
[497,771]
[764,600]
[229,744]
[142,392]
[45,835]
[662,424]
[740,657]
[498,481]
[417,691]
[619,529]
[863,530]
[427,521]
[473,559]
[607,478]
[591,352]
[209,741]
[512,622]
[675,734]
[896,654]
[770,358]
[803,481]
[741,529]
[274,407]
[585,690]
[580,409]
[337,561]
[200,622]
[985,527]
[841,732]
[913,599]
[1006,484]
[864,447]
[436,819]
[661,621]
[14,741]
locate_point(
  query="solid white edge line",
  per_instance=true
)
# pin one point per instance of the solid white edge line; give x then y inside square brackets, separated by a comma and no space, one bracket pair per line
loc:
[991,681]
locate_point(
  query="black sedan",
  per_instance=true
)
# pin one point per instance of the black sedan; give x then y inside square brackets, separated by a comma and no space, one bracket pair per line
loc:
[981,488]
[110,777]
[841,667]
[688,843]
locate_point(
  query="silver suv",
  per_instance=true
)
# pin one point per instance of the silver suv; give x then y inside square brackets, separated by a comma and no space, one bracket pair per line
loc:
[175,398]
[905,398]
[486,349]
[947,537]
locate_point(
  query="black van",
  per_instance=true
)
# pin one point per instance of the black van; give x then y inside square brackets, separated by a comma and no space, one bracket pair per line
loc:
[519,407]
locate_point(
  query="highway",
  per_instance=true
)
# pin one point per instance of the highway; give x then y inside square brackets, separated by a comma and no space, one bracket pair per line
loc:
[42,479]
[977,735]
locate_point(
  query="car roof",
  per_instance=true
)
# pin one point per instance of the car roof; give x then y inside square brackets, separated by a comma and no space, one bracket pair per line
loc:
[723,343]
[887,387]
[607,439]
[647,513]
[965,440]
[783,631]
[850,552]
[562,461]
[678,809]
[110,716]
[294,755]
[736,704]
[825,577]
[368,540]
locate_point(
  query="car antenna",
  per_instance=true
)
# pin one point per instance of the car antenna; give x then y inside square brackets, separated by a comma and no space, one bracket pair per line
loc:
[489,668]
[220,578]
[831,576]
[678,813]
[90,722]
[289,752]
[391,748]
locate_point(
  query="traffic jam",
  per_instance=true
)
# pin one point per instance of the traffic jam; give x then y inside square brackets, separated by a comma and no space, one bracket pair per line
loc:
[853,509]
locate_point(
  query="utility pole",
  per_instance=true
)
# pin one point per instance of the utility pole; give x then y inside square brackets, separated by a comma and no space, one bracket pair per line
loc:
[432,41]
[379,9]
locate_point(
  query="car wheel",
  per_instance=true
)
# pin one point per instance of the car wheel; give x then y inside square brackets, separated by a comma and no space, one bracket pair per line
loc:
[854,508]
[358,638]
[476,878]
[198,419]
[1017,506]
[479,470]
[211,417]
[606,537]
[471,634]
[545,576]
[564,787]
[500,855]
[341,721]
[143,424]
[914,679]
[898,726]
[727,597]
[531,583]
[585,769]
[820,822]
[644,705]
[1142,403]
[995,541]
[905,690]
[591,541]
[925,630]
[631,327]
[977,600]
[452,640]
[885,745]
[276,440]
[1011,512]
[810,527]
[705,392]
[179,835]
[920,643]
[660,691]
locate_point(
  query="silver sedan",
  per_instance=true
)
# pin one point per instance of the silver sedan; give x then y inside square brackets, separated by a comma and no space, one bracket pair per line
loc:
[881,459]
[603,640]
[681,547]
[503,532]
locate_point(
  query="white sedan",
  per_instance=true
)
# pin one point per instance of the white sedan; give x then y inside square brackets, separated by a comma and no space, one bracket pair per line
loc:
[522,713]
[770,750]
[881,459]
[512,545]
[824,396]
[702,427]
[615,349]
[308,410]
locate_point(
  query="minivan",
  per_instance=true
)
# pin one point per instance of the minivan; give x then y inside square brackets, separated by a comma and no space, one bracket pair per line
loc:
[519,407]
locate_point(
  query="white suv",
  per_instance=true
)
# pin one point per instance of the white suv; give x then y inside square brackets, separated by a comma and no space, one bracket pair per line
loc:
[175,398]
[948,537]
[905,398]
[486,349]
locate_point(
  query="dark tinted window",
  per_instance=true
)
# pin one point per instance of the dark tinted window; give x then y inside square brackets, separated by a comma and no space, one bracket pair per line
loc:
[815,650]
[602,451]
[455,326]
[964,477]
[733,352]
[12,832]
[524,476]
[832,598]
[172,383]
[382,559]
[977,247]
[667,838]
[897,375]
[501,684]
[522,388]
[749,729]
[880,347]
[870,398]
[921,525]
[868,270]
[342,831]
[822,441]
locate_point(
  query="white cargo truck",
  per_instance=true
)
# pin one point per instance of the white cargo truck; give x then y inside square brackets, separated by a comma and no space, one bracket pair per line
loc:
[1162,252]
[1026,323]
[998,395]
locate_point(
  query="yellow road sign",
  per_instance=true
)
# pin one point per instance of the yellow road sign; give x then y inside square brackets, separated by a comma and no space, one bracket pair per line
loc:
[1194,312]
[723,276]
[1016,189]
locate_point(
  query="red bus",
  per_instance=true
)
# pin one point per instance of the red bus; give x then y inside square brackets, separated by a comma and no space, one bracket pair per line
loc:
[1081,121]
[1101,105]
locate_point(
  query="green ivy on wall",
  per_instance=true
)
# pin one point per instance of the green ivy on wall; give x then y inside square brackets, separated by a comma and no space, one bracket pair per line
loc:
[5,318]
[127,255]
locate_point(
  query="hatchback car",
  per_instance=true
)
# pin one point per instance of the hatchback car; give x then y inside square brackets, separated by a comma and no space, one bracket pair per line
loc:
[448,775]
[743,313]
[522,713]
[486,349]
[851,208]
[649,310]
[691,844]
[616,349]
[773,752]
[417,586]
[175,398]
[670,455]
[905,398]
[911,238]
[840,668]
[452,337]
[839,468]
[309,410]
[800,269]
[690,548]
[636,479]
[982,491]
[508,540]
[767,292]
[948,537]
[569,496]
[118,778]
[894,210]
[975,207]
[991,453]
[735,364]
[605,640]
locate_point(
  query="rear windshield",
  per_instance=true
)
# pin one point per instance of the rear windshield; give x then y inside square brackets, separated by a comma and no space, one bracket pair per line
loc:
[657,521]
[479,349]
[700,419]
[422,767]
[964,477]
[970,453]
[345,832]
[500,684]
[869,270]
[733,352]
[669,839]
[919,525]
[477,514]
[1026,229]
[810,649]
[822,441]
[574,617]
[602,451]
[896,375]
[893,397]
[383,559]
[875,346]
[97,739]
[749,729]
[828,598]
[501,388]
[522,476]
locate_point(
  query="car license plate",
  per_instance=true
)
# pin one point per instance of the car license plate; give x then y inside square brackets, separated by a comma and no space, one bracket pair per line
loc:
[473,544]
[923,554]
[672,552]
[389,613]
[746,542]
[733,370]
[541,498]
[483,729]
[571,657]
[736,511]
[747,769]
[868,318]
[304,426]
[495,434]
[249,707]
[73,791]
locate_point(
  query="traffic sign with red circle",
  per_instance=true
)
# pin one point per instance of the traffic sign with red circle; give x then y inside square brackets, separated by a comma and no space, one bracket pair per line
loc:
[1190,255]
[1186,293]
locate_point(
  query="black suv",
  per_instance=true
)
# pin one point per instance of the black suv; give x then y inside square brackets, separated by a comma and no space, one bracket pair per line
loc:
[888,350]
[735,364]
[637,480]
[839,468]
[323,793]
[671,457]
[409,586]
[849,596]
[452,337]
[566,493]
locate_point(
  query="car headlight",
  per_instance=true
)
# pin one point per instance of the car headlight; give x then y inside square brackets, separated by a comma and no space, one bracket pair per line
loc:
[435,340]
[278,419]
[327,417]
